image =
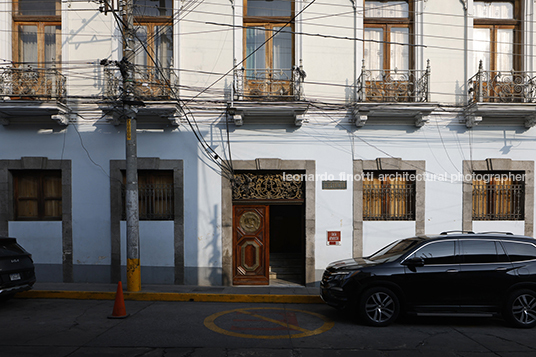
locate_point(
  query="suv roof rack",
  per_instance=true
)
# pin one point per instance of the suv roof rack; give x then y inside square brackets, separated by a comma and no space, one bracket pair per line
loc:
[447,232]
[496,232]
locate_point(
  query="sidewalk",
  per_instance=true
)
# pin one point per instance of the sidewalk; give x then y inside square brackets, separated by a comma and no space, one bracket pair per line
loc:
[259,294]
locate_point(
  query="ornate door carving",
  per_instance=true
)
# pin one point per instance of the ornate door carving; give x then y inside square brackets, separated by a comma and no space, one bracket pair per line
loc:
[251,245]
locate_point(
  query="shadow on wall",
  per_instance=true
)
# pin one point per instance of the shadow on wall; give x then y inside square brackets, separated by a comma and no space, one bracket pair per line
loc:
[210,275]
[215,275]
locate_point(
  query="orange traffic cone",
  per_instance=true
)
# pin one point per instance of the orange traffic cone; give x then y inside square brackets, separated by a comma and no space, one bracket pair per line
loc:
[119,311]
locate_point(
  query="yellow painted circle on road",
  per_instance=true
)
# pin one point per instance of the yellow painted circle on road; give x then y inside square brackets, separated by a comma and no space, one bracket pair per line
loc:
[256,313]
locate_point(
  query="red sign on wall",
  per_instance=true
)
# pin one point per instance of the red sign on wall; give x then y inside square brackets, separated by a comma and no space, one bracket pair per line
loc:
[334,237]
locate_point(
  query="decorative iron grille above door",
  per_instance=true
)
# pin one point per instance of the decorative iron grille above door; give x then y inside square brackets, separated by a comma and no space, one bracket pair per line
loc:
[268,186]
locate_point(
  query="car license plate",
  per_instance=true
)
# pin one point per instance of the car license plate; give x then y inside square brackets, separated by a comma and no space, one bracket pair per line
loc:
[15,276]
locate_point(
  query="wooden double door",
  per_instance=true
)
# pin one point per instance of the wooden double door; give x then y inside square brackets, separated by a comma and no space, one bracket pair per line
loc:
[251,245]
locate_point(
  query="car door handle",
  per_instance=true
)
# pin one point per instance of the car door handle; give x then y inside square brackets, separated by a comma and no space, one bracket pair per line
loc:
[452,271]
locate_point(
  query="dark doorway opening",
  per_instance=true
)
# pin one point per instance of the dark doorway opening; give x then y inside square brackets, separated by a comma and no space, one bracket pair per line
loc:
[287,244]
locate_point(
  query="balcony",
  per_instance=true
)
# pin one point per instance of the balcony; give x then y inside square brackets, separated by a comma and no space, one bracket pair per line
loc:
[150,83]
[268,96]
[268,84]
[395,94]
[32,95]
[393,85]
[501,98]
[155,89]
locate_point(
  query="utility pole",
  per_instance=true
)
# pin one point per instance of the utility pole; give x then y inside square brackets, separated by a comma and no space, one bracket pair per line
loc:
[130,110]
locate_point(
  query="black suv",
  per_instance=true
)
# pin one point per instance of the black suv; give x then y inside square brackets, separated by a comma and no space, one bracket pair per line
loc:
[452,273]
[16,268]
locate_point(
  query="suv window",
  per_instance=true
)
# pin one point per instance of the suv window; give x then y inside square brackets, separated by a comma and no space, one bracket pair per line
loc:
[437,253]
[482,251]
[520,251]
[395,249]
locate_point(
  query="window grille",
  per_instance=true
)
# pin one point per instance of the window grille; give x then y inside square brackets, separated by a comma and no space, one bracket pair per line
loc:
[155,196]
[498,200]
[388,198]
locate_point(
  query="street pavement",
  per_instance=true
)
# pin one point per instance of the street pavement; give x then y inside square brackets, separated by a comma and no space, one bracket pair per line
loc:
[78,326]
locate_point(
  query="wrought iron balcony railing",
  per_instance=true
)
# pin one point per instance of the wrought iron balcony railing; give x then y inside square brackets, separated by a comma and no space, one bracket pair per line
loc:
[30,83]
[502,87]
[267,84]
[393,85]
[150,83]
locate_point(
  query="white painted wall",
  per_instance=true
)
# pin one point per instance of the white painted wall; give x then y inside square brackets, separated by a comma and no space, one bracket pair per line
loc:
[156,243]
[328,50]
[41,239]
[88,36]
[443,144]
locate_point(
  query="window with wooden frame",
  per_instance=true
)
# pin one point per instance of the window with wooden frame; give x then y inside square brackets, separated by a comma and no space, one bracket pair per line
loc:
[497,35]
[388,60]
[388,35]
[389,196]
[268,48]
[37,33]
[156,197]
[37,195]
[497,49]
[498,196]
[153,58]
[36,49]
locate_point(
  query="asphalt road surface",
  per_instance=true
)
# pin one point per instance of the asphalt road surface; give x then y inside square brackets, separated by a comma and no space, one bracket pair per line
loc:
[50,327]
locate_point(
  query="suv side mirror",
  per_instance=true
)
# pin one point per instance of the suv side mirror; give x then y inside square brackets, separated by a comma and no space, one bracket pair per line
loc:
[415,262]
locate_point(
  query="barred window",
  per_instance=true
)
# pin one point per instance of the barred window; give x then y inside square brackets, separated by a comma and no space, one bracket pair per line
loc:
[498,196]
[37,195]
[389,196]
[155,195]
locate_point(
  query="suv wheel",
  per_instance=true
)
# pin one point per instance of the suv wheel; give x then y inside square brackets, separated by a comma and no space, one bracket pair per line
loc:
[378,307]
[521,308]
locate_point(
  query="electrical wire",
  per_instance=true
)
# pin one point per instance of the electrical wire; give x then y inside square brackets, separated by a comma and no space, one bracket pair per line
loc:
[207,89]
[384,152]
[211,154]
[431,46]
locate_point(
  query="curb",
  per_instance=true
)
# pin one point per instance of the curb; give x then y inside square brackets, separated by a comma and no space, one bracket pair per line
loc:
[150,296]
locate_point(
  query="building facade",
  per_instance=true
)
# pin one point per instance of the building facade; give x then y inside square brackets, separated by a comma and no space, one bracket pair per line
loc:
[273,137]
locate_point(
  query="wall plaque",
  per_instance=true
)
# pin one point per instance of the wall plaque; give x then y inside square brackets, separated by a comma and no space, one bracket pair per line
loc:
[334,238]
[334,185]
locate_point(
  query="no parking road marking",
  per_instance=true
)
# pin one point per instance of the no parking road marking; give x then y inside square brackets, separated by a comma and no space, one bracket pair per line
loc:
[268,323]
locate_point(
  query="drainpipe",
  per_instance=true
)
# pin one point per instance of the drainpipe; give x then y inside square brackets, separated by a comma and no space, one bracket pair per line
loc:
[465,94]
[234,53]
[354,86]
[300,29]
[528,30]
